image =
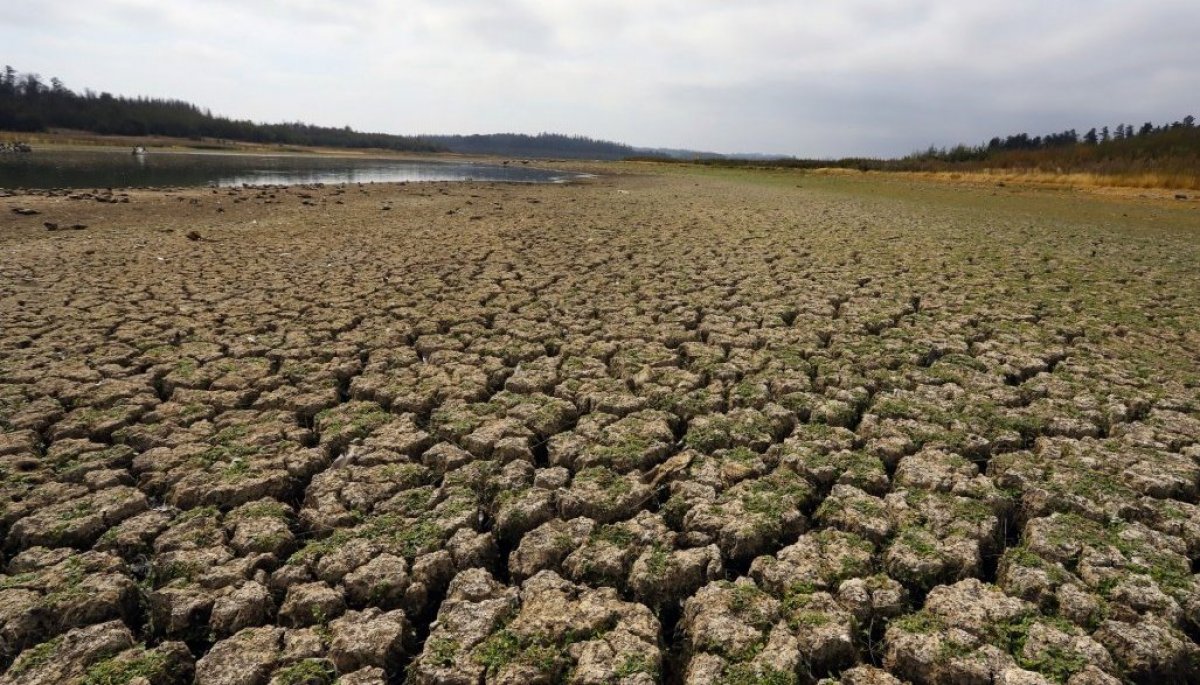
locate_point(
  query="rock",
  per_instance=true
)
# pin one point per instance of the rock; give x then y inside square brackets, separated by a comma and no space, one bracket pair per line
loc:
[193,235]
[50,225]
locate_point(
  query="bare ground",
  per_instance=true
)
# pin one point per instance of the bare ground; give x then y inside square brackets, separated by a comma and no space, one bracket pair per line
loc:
[682,426]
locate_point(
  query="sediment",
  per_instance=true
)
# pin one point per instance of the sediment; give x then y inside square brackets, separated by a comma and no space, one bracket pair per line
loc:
[684,427]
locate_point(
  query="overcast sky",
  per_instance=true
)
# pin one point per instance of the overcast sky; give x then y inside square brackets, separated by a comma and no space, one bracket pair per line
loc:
[802,77]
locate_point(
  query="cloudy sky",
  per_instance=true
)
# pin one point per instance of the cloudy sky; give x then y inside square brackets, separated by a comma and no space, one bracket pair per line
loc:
[802,77]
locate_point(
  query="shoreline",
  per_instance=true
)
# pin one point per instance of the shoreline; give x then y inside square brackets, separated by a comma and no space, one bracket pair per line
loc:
[1146,185]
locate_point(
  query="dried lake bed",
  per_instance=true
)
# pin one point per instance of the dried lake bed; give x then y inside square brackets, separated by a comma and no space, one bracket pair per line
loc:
[664,425]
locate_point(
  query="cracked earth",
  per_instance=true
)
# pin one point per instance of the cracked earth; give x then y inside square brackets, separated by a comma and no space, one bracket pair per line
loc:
[659,426]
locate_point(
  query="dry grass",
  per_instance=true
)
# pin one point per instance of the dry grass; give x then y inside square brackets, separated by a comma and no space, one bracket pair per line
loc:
[1142,180]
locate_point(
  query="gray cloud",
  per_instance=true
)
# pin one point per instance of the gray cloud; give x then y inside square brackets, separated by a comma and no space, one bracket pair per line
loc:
[874,77]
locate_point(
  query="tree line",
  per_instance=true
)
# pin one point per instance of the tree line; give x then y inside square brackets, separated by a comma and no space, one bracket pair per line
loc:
[541,145]
[29,104]
[1123,138]
[1162,155]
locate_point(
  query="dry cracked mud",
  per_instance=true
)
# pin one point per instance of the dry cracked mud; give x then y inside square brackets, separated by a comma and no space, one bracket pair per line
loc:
[659,426]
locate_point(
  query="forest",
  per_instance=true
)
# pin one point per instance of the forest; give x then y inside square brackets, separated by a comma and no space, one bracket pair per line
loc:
[1122,143]
[28,104]
[541,145]
[1152,155]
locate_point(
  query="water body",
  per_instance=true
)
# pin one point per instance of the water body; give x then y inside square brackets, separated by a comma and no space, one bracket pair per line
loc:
[121,169]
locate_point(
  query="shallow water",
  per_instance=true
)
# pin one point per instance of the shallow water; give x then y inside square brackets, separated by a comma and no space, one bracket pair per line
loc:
[112,169]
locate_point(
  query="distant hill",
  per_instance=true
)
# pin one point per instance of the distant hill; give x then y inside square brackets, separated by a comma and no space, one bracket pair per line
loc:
[676,153]
[699,155]
[542,145]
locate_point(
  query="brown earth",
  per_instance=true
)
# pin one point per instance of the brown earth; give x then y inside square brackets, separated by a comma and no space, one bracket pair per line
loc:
[665,425]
